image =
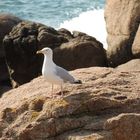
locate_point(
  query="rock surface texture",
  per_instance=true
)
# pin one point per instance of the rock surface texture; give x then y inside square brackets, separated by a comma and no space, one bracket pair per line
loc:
[122,22]
[106,106]
[7,22]
[136,45]
[27,37]
[80,52]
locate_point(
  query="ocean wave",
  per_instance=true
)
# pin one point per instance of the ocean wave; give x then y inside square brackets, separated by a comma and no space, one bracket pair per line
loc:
[90,22]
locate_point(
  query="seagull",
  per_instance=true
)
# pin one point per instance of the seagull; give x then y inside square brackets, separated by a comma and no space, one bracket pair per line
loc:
[54,74]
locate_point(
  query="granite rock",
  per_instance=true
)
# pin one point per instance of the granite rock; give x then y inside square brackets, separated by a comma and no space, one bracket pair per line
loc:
[104,107]
[122,22]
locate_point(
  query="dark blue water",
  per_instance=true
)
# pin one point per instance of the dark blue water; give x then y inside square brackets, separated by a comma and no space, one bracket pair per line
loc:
[50,12]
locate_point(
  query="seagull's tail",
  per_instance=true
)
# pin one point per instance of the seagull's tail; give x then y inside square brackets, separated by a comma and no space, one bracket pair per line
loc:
[77,82]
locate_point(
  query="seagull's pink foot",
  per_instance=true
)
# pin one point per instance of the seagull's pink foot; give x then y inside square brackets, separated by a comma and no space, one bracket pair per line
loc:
[62,93]
[54,96]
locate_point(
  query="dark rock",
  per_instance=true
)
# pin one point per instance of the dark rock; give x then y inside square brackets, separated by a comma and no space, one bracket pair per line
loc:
[67,34]
[71,53]
[48,36]
[77,33]
[7,22]
[21,45]
[81,51]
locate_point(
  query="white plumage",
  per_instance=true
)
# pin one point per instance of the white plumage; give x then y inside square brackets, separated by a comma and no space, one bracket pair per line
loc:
[53,73]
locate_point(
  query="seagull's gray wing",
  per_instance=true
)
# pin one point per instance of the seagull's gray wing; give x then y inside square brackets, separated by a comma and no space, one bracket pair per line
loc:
[63,74]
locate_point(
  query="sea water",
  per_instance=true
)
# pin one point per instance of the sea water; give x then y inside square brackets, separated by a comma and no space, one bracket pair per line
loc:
[80,15]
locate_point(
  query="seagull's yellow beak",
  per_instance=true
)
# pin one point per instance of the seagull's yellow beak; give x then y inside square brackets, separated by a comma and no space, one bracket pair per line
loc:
[38,52]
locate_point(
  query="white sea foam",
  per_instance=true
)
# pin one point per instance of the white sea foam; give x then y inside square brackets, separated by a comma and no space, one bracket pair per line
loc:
[90,22]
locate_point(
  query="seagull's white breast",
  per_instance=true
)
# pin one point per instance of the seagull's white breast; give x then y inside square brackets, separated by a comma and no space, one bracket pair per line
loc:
[48,71]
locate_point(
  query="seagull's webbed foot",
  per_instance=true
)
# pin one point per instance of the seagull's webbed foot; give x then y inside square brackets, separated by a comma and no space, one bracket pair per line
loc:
[53,96]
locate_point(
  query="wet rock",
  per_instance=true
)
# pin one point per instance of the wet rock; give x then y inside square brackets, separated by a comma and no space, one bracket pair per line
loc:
[7,22]
[80,52]
[65,33]
[71,53]
[21,46]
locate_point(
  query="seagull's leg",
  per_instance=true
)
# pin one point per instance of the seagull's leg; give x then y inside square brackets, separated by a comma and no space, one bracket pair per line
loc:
[61,90]
[52,90]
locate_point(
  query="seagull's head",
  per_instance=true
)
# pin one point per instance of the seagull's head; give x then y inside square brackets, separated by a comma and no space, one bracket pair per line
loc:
[46,51]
